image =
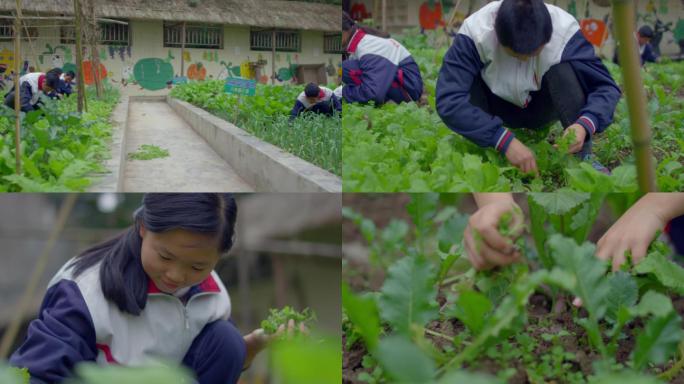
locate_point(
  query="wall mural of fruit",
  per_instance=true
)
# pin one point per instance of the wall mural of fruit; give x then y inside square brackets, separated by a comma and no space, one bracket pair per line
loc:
[154,73]
[89,74]
[197,71]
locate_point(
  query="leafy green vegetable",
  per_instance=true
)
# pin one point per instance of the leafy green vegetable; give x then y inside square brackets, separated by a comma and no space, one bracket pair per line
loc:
[408,148]
[60,148]
[148,152]
[278,317]
[408,294]
[313,137]
[403,361]
[363,312]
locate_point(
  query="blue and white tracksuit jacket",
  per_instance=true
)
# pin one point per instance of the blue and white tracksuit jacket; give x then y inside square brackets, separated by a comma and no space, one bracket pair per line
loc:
[327,103]
[30,92]
[77,323]
[382,70]
[477,52]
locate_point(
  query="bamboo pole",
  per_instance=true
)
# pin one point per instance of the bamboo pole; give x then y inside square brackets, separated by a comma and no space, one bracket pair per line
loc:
[182,71]
[92,32]
[623,17]
[384,15]
[17,90]
[41,264]
[273,54]
[79,56]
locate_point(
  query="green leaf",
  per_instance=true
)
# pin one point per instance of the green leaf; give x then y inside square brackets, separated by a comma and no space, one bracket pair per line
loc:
[363,313]
[12,375]
[658,341]
[470,378]
[588,270]
[538,217]
[91,373]
[653,303]
[623,293]
[472,308]
[422,208]
[404,362]
[292,360]
[668,273]
[625,377]
[451,232]
[408,294]
[559,202]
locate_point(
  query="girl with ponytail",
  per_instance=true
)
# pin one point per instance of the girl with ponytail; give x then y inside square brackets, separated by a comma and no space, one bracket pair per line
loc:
[149,293]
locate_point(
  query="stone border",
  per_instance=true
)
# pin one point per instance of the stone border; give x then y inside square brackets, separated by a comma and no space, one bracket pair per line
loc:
[112,181]
[266,167]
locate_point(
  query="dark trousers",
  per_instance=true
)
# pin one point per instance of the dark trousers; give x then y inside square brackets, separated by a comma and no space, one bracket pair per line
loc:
[561,97]
[217,354]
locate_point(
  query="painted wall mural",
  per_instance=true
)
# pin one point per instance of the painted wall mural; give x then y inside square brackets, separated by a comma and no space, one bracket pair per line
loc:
[358,12]
[154,73]
[288,73]
[7,58]
[197,71]
[430,15]
[211,56]
[89,72]
[595,31]
[123,52]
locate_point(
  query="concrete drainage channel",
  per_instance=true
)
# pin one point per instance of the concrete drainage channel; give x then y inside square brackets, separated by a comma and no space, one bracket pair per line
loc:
[246,162]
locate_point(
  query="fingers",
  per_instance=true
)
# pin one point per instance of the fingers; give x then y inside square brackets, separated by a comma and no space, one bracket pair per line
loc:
[482,256]
[474,256]
[495,241]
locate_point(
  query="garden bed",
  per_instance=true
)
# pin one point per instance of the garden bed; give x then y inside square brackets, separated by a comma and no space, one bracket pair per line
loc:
[61,150]
[407,147]
[312,137]
[418,299]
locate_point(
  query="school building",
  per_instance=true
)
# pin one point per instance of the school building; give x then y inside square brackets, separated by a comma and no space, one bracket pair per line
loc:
[140,41]
[664,16]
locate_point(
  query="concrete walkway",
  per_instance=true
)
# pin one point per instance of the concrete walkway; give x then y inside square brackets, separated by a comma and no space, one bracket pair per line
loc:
[192,166]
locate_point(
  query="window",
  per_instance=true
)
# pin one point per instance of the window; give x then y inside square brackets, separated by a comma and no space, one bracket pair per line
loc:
[110,34]
[207,36]
[286,41]
[332,43]
[7,30]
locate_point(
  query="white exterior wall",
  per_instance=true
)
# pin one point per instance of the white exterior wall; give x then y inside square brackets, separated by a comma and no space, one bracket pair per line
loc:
[147,42]
[405,13]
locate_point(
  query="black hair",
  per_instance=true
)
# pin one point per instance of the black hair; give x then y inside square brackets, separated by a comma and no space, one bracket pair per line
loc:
[72,74]
[348,24]
[52,78]
[646,31]
[122,277]
[312,90]
[523,25]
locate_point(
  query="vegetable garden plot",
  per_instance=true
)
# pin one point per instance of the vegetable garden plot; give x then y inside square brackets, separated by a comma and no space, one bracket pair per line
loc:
[408,148]
[59,146]
[314,138]
[514,324]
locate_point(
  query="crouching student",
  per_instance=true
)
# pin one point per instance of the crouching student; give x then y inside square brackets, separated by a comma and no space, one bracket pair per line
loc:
[383,69]
[65,83]
[523,63]
[646,51]
[150,293]
[316,99]
[32,86]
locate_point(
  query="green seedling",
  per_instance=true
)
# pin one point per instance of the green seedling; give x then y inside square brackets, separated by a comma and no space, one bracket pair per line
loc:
[278,317]
[148,152]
